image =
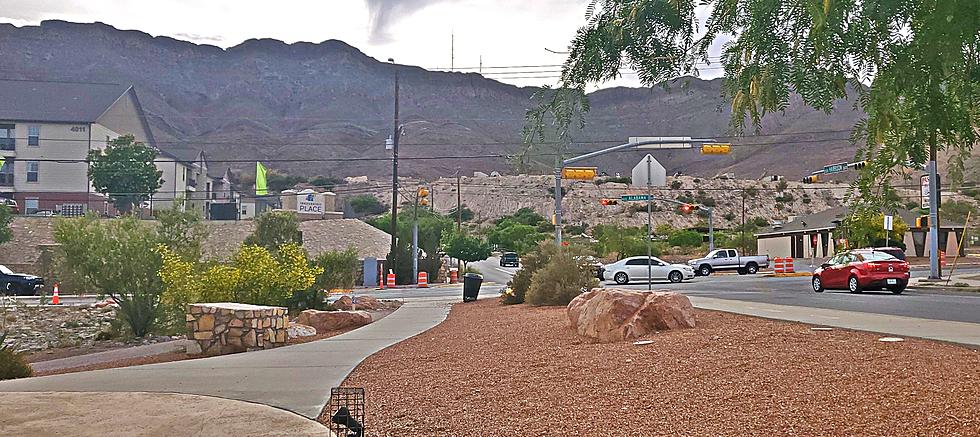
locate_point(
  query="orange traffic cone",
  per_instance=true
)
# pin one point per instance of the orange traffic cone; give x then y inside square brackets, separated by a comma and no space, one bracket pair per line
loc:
[55,300]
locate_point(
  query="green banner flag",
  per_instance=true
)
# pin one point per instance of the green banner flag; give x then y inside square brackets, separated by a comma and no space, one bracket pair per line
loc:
[261,187]
[1,162]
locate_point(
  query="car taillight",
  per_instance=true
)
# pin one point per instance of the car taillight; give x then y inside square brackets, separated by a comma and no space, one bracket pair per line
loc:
[874,266]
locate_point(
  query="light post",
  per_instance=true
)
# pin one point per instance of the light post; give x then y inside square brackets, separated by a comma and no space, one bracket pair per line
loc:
[396,132]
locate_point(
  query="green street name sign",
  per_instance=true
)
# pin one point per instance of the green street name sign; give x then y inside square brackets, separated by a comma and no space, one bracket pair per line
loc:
[835,168]
[634,197]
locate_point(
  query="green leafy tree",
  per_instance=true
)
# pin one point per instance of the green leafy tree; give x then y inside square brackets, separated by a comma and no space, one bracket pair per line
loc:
[275,228]
[6,217]
[339,269]
[125,172]
[325,181]
[685,238]
[182,231]
[464,247]
[117,258]
[866,228]
[912,63]
[515,236]
[465,215]
[366,204]
[277,182]
[431,228]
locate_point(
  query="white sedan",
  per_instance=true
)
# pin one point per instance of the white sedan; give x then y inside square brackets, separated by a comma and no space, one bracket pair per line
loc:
[635,269]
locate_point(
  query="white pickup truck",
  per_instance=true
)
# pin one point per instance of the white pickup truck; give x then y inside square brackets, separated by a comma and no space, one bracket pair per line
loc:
[728,259]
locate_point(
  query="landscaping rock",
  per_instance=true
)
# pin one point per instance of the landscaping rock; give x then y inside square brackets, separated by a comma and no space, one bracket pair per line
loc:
[615,314]
[368,303]
[296,330]
[344,303]
[34,328]
[324,321]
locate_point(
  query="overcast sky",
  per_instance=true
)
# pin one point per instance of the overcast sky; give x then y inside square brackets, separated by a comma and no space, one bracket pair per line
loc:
[417,32]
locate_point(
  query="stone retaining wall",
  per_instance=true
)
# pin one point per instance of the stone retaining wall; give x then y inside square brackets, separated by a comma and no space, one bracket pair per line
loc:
[224,328]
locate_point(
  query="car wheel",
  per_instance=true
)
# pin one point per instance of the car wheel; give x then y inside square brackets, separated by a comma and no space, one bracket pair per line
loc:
[675,276]
[704,270]
[752,268]
[621,278]
[742,271]
[817,284]
[898,289]
[853,285]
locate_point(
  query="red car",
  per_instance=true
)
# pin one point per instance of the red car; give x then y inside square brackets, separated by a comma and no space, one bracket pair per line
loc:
[862,269]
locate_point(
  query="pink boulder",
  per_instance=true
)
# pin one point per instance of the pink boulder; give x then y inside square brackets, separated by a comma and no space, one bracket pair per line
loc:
[324,321]
[612,314]
[366,303]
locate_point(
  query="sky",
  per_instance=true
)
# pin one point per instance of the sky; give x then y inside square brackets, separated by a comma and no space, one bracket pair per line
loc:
[433,34]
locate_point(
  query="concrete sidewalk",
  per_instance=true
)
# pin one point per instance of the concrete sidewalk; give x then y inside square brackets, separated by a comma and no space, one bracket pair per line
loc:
[295,378]
[956,332]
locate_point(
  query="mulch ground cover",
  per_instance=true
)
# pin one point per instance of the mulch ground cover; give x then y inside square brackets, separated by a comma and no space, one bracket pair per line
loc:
[492,370]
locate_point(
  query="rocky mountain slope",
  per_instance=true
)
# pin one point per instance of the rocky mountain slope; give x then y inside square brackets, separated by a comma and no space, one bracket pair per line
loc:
[303,103]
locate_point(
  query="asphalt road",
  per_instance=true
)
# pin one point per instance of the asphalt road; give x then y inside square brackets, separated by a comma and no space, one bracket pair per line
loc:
[960,307]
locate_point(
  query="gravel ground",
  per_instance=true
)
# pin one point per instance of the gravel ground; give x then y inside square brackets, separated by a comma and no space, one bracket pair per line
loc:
[494,370]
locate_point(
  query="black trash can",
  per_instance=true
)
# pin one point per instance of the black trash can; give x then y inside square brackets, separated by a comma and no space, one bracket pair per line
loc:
[471,286]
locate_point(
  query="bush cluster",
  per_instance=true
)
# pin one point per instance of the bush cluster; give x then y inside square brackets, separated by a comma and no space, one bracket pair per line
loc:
[564,277]
[12,363]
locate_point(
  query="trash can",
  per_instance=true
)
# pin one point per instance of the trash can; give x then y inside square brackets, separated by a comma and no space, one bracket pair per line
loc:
[471,286]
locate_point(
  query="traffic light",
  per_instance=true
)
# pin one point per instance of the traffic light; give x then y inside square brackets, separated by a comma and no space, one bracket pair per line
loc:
[687,208]
[922,221]
[579,173]
[608,202]
[423,194]
[812,179]
[858,165]
[716,149]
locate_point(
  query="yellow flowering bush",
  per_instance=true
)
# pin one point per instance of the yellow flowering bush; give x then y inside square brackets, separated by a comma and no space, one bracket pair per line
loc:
[254,276]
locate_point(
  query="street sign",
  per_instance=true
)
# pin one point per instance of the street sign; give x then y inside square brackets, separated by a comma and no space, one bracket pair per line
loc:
[924,191]
[835,168]
[634,197]
[888,223]
[649,173]
[667,142]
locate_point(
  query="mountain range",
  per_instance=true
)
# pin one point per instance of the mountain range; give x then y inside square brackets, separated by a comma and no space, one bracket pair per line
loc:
[327,108]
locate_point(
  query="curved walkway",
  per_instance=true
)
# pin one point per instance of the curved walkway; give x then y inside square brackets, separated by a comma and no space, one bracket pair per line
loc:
[145,414]
[294,378]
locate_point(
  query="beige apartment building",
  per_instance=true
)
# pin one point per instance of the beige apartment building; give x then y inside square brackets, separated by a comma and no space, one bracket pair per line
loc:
[47,129]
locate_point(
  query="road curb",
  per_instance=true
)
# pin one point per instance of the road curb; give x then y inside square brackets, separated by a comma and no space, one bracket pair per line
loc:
[788,275]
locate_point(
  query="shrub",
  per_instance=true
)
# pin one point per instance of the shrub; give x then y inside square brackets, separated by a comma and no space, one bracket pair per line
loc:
[255,276]
[339,270]
[366,204]
[781,185]
[117,258]
[730,216]
[6,216]
[575,229]
[785,198]
[274,229]
[12,363]
[182,230]
[676,185]
[530,263]
[471,269]
[750,192]
[564,277]
[685,238]
[621,180]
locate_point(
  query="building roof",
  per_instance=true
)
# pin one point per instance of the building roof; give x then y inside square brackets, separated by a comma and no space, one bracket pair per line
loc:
[57,102]
[830,218]
[319,236]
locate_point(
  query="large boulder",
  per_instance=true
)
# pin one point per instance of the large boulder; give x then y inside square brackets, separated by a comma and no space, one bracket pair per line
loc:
[296,330]
[612,314]
[324,321]
[366,303]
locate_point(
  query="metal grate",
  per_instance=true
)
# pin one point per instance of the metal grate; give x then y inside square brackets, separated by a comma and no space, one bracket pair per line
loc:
[347,411]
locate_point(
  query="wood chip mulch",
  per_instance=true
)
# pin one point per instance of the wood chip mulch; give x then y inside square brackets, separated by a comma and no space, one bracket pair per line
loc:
[492,370]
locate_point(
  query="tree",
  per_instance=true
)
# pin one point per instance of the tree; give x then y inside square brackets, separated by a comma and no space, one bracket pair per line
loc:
[182,231]
[865,228]
[339,269]
[125,172]
[366,204]
[913,64]
[118,258]
[431,228]
[464,247]
[465,214]
[275,228]
[514,236]
[277,182]
[6,217]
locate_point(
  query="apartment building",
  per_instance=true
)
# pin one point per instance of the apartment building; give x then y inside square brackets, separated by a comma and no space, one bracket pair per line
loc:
[46,131]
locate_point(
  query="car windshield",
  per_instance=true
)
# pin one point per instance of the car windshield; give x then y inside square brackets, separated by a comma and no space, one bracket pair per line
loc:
[5,270]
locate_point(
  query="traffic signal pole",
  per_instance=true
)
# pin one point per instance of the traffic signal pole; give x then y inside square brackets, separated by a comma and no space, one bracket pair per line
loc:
[649,223]
[663,142]
[935,270]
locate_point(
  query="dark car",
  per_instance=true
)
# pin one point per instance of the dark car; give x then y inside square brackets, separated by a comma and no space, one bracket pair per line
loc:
[19,284]
[510,259]
[865,269]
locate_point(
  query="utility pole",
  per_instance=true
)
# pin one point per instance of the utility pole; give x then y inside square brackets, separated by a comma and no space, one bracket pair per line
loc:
[649,223]
[415,238]
[394,180]
[935,270]
[742,237]
[459,203]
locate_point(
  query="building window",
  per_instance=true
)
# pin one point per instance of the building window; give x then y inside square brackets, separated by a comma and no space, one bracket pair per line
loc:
[7,138]
[31,205]
[7,173]
[34,136]
[33,168]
